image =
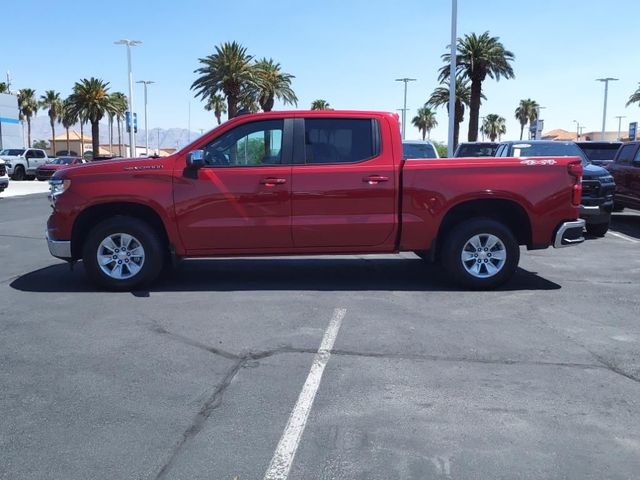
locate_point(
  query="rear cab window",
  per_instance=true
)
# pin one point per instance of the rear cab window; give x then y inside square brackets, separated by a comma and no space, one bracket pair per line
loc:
[340,140]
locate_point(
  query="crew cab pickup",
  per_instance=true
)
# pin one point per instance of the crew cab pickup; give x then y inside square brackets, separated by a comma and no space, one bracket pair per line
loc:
[625,168]
[22,163]
[311,182]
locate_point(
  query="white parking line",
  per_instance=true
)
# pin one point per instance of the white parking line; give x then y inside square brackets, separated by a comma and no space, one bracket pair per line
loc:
[285,452]
[624,237]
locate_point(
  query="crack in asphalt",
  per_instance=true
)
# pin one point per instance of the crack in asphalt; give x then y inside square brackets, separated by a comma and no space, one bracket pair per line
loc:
[612,367]
[201,417]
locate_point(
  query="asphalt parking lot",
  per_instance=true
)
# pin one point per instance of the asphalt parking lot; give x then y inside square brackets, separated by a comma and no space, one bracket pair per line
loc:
[212,373]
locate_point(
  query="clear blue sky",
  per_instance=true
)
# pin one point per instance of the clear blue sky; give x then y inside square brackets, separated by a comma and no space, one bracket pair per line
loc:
[347,52]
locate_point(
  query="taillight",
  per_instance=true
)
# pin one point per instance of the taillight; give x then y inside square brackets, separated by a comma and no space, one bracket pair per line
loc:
[575,170]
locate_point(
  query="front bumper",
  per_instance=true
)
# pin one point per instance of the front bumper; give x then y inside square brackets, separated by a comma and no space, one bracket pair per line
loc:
[595,214]
[59,248]
[569,234]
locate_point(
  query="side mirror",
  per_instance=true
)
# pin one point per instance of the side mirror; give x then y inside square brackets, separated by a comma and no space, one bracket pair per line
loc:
[195,159]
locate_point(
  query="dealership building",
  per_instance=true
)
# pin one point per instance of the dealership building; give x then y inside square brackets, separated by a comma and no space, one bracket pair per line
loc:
[10,128]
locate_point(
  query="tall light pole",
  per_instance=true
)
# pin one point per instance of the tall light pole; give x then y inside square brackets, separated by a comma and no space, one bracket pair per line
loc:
[606,93]
[132,138]
[404,110]
[577,129]
[620,117]
[146,130]
[452,76]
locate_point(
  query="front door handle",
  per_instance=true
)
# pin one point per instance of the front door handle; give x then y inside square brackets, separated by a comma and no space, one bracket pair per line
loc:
[272,182]
[375,179]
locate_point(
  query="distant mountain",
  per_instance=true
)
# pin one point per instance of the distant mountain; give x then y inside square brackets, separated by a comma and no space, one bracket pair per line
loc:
[167,138]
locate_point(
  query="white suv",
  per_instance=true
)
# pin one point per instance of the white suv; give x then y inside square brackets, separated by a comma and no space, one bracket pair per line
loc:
[4,178]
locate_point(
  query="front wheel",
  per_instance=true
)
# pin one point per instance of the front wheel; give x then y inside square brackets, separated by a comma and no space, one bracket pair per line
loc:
[123,253]
[480,254]
[598,229]
[18,173]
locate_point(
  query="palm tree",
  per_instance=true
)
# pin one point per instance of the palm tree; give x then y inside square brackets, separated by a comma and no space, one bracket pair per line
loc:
[526,112]
[118,102]
[28,106]
[91,100]
[320,105]
[494,126]
[425,121]
[228,70]
[477,58]
[272,83]
[635,97]
[216,103]
[440,97]
[68,119]
[4,88]
[53,103]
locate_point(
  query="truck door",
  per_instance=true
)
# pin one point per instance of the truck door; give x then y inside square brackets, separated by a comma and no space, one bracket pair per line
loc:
[344,184]
[620,170]
[241,199]
[633,180]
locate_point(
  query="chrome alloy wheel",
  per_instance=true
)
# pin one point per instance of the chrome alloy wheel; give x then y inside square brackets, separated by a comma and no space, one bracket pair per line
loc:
[120,256]
[483,255]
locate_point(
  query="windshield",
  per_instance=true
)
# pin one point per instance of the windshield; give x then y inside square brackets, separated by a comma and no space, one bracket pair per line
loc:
[600,152]
[418,150]
[551,149]
[13,152]
[477,151]
[63,161]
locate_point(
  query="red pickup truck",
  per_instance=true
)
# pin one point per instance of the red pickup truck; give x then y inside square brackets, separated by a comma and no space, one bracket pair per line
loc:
[311,182]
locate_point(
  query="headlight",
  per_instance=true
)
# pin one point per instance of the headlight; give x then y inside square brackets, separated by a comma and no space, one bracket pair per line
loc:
[57,187]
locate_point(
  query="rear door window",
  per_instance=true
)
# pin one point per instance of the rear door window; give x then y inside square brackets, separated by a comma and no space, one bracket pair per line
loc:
[340,140]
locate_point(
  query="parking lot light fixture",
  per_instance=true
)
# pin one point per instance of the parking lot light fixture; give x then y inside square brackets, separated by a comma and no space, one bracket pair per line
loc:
[132,138]
[606,93]
[404,110]
[146,129]
[620,117]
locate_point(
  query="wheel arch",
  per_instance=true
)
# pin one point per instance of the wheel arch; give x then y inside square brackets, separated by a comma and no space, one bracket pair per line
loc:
[509,212]
[95,214]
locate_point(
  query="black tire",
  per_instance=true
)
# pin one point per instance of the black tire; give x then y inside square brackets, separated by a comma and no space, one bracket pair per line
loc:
[454,245]
[598,229]
[30,177]
[18,173]
[146,236]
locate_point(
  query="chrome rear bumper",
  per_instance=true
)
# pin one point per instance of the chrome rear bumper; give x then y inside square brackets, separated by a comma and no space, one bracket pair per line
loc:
[569,234]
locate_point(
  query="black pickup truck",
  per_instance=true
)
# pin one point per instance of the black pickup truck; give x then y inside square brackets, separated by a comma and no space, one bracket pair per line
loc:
[625,169]
[598,186]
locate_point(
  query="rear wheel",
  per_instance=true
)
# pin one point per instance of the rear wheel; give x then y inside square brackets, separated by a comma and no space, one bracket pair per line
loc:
[480,254]
[123,253]
[18,173]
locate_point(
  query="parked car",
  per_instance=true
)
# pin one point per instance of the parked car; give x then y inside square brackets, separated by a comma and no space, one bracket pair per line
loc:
[412,149]
[625,168]
[44,172]
[600,153]
[310,182]
[476,149]
[598,185]
[22,163]
[4,178]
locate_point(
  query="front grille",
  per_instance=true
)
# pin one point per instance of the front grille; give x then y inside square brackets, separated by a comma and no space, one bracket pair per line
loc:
[3,170]
[44,173]
[590,188]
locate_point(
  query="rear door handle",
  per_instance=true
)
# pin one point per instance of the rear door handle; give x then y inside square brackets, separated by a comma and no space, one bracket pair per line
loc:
[375,179]
[272,182]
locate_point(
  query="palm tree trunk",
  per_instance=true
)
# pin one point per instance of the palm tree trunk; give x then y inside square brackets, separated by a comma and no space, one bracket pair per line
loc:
[474,109]
[29,131]
[53,137]
[232,106]
[424,133]
[68,147]
[119,137]
[95,137]
[218,115]
[81,139]
[111,134]
[521,130]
